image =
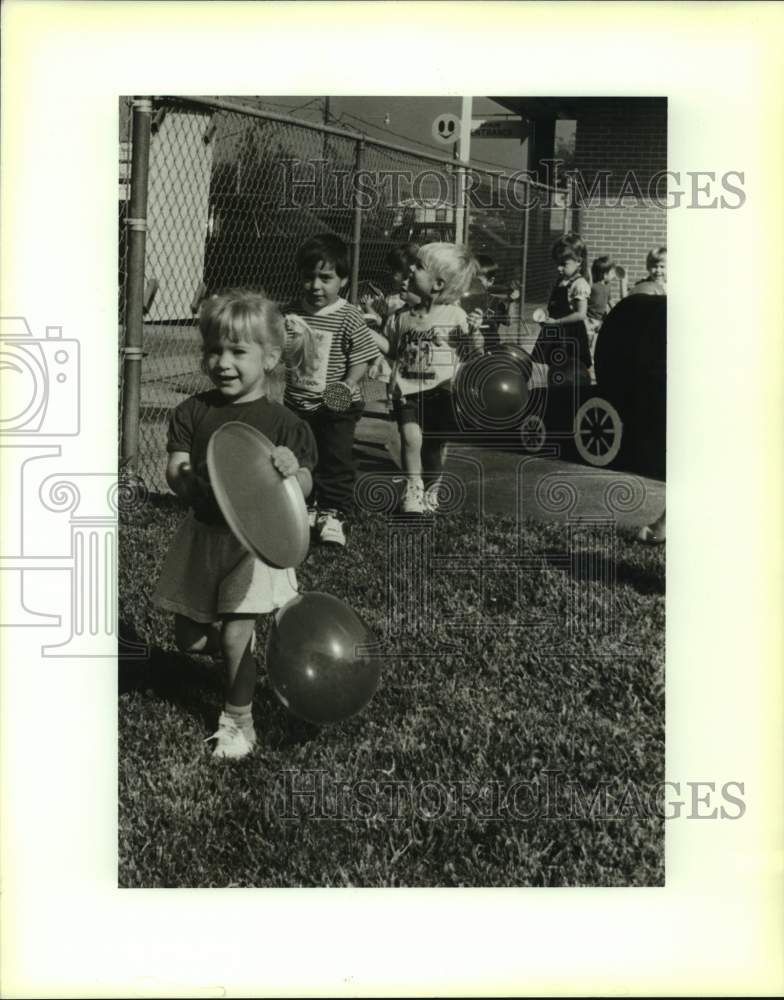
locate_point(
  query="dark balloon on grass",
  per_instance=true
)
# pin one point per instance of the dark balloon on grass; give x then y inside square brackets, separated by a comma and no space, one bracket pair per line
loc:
[317,665]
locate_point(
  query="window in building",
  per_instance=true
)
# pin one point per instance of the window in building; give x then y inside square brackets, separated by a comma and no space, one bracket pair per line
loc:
[565,142]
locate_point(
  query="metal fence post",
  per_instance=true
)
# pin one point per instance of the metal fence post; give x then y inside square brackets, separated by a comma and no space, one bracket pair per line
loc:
[574,201]
[524,262]
[356,238]
[567,205]
[134,281]
[461,230]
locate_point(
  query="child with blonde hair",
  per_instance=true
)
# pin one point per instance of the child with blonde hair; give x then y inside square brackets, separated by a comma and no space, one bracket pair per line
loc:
[655,283]
[426,342]
[215,589]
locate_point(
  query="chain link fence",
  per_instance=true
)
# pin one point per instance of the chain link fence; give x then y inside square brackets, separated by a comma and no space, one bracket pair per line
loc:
[123,201]
[232,193]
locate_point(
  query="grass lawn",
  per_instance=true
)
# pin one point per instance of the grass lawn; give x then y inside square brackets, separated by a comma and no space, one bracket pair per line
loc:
[521,751]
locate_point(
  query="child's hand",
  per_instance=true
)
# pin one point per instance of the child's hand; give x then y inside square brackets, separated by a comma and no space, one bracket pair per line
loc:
[199,494]
[475,319]
[285,461]
[372,318]
[198,490]
[376,367]
[477,341]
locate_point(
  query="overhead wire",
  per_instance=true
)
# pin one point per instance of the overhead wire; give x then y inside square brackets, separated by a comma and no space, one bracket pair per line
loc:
[408,138]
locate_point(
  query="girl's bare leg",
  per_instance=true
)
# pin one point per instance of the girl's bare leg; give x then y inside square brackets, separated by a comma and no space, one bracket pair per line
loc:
[240,662]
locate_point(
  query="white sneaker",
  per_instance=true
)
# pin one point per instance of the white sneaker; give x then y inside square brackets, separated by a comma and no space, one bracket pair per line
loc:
[331,530]
[235,736]
[414,498]
[313,516]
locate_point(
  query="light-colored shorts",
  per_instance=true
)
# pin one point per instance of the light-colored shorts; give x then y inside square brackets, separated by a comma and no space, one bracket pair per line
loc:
[207,573]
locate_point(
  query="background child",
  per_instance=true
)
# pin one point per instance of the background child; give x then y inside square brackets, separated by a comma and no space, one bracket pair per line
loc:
[656,533]
[345,346]
[599,301]
[485,310]
[656,281]
[214,587]
[563,340]
[426,342]
[377,309]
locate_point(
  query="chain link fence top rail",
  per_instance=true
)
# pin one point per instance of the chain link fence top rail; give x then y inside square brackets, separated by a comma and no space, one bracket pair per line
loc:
[233,193]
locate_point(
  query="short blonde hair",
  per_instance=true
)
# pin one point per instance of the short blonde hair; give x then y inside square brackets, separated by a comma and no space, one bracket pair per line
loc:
[452,264]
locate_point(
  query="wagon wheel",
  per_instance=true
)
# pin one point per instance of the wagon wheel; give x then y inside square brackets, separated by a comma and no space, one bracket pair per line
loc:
[533,433]
[598,430]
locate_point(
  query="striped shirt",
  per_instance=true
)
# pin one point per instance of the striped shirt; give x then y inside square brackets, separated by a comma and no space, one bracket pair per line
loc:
[343,340]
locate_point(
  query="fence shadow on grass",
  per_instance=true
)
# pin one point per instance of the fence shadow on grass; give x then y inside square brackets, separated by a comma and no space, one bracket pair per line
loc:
[189,682]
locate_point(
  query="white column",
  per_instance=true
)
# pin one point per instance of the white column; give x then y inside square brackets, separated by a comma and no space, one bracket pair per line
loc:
[92,499]
[463,156]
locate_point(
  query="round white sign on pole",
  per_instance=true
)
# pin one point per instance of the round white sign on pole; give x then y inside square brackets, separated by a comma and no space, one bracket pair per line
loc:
[446,129]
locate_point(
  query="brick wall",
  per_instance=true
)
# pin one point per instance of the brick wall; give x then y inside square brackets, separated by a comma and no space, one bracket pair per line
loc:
[626,233]
[622,136]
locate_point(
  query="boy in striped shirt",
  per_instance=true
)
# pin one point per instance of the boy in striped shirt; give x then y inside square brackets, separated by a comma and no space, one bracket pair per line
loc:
[345,347]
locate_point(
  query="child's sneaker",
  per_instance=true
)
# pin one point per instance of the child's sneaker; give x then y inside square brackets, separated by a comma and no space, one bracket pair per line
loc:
[313,516]
[331,529]
[414,498]
[431,499]
[235,736]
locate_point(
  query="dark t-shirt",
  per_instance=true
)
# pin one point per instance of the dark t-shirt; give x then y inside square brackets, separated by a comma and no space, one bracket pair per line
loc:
[196,419]
[599,300]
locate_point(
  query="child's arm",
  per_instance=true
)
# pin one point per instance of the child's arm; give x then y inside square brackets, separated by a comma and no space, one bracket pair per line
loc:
[183,480]
[361,347]
[305,481]
[578,316]
[381,342]
[370,312]
[178,473]
[384,342]
[372,318]
[475,320]
[472,333]
[356,373]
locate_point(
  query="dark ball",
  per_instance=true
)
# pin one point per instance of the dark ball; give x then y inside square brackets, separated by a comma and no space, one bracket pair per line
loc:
[519,356]
[491,392]
[315,660]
